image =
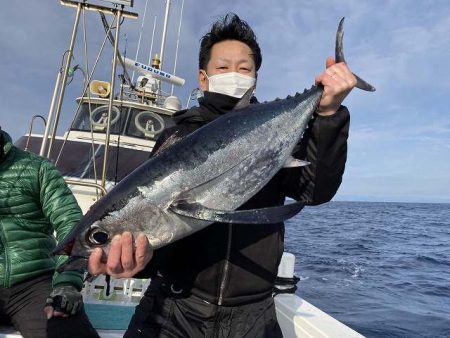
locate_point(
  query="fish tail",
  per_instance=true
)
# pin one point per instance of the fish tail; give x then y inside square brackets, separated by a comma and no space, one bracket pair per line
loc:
[339,57]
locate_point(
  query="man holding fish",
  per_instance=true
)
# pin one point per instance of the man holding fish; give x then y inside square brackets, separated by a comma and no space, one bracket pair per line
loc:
[219,280]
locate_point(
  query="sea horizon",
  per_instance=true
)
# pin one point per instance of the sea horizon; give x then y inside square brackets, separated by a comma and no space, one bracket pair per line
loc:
[362,200]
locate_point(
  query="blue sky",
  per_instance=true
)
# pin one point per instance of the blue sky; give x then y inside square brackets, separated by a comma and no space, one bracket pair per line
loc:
[399,145]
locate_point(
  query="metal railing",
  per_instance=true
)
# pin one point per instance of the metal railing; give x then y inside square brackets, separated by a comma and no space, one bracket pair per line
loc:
[31,128]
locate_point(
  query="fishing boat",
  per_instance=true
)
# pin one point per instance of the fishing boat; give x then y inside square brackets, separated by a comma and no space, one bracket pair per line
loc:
[114,128]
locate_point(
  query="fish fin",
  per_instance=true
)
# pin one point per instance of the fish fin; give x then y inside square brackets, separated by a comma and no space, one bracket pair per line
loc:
[293,162]
[171,140]
[339,57]
[363,85]
[253,216]
[245,99]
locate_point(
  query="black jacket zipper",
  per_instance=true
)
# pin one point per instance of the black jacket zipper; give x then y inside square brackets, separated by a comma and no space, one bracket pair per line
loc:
[226,266]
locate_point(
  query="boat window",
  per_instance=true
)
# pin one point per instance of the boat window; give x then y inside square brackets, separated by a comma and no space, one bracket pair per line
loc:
[146,124]
[97,118]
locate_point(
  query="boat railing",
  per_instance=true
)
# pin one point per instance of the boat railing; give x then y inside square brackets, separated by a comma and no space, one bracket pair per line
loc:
[87,184]
[110,304]
[31,128]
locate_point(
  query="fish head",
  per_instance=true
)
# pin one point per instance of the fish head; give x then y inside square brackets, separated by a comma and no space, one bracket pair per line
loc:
[79,247]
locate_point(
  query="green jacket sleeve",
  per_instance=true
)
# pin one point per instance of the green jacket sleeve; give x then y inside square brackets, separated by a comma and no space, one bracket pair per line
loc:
[61,208]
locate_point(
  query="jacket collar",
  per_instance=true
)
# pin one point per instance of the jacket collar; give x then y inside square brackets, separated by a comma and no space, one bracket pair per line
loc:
[213,105]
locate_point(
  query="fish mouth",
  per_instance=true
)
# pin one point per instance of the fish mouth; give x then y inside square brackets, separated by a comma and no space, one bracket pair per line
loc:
[74,263]
[64,248]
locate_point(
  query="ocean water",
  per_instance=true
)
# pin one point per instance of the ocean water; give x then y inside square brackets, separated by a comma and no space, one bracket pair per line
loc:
[381,268]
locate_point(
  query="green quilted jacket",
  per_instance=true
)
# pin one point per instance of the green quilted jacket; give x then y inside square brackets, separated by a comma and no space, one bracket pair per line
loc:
[35,205]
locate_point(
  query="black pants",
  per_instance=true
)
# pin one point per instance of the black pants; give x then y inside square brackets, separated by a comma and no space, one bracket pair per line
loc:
[23,306]
[162,313]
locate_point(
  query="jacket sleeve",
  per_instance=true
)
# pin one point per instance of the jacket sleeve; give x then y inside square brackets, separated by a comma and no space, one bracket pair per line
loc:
[62,210]
[324,145]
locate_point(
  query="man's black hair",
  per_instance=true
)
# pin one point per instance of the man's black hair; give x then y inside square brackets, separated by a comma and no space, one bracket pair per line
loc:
[230,27]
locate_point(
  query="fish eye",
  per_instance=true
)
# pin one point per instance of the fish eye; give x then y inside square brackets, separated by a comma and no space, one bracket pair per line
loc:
[97,237]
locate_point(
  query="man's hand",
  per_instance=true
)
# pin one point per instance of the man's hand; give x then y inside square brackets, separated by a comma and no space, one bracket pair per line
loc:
[338,81]
[124,260]
[63,301]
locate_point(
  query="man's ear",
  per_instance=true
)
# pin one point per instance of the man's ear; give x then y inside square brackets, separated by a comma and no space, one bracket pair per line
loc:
[202,80]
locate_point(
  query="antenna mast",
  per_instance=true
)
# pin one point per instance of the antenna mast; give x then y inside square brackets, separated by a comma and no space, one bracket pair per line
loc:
[178,43]
[151,45]
[140,36]
[163,40]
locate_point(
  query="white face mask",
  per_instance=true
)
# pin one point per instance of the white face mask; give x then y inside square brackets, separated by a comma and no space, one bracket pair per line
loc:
[231,83]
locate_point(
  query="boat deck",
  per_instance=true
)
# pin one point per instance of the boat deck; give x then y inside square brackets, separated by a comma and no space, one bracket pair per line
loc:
[297,318]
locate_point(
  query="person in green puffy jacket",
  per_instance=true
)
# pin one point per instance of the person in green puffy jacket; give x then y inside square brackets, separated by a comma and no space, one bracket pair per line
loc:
[36,205]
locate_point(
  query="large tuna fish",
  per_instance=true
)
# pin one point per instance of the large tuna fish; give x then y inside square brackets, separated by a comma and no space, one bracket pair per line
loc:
[202,178]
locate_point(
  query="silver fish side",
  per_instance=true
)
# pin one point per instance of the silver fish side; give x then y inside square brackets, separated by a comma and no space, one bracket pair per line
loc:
[219,166]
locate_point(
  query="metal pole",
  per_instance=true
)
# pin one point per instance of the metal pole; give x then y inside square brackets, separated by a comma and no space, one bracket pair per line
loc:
[178,43]
[50,115]
[65,75]
[163,40]
[140,37]
[151,45]
[111,97]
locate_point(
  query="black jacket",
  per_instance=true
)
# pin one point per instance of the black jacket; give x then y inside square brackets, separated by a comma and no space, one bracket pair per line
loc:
[235,264]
